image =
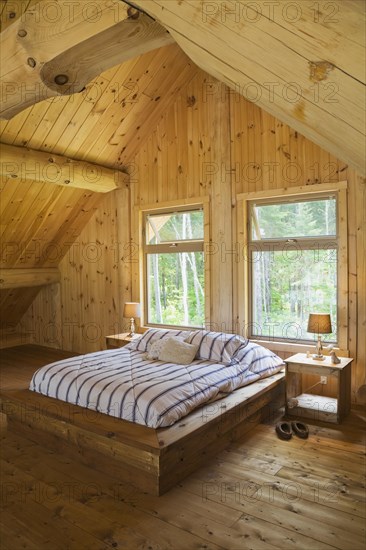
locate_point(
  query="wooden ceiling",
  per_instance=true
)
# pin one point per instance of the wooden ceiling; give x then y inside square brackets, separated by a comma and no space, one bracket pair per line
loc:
[104,124]
[303,62]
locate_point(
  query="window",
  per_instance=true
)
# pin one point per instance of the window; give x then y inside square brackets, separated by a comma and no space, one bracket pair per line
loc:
[293,259]
[174,268]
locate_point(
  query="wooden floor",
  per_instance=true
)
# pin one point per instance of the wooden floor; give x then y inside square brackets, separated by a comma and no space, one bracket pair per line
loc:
[260,493]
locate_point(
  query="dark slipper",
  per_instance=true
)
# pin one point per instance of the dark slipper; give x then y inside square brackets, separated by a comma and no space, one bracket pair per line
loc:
[283,430]
[300,429]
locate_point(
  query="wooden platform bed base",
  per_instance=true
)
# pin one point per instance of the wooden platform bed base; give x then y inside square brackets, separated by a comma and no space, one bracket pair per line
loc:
[153,460]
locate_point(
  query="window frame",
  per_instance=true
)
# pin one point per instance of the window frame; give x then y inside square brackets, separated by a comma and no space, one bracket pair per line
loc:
[244,306]
[189,245]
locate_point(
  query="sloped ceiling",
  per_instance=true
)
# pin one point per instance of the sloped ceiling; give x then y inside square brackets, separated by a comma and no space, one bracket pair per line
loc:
[105,124]
[302,62]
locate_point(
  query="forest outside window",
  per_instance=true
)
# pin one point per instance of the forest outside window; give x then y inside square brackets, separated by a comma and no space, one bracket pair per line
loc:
[293,253]
[174,268]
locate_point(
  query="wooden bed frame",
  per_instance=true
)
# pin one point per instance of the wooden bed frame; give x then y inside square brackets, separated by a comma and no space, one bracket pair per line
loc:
[153,460]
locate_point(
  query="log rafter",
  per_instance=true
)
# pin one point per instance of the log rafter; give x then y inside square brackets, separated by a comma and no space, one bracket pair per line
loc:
[42,58]
[22,164]
[11,278]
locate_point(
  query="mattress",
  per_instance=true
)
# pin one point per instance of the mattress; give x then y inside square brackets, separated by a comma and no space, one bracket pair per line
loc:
[124,384]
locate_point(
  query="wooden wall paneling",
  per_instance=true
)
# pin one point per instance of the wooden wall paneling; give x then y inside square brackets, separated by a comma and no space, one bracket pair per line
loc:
[190,102]
[14,304]
[257,160]
[353,297]
[181,127]
[247,161]
[160,139]
[95,277]
[125,257]
[172,138]
[153,176]
[197,97]
[218,121]
[359,220]
[267,146]
[42,322]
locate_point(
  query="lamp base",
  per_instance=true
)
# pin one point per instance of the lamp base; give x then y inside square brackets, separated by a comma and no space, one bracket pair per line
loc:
[132,328]
[318,357]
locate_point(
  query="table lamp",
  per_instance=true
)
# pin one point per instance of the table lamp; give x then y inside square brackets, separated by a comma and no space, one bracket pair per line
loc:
[132,310]
[319,323]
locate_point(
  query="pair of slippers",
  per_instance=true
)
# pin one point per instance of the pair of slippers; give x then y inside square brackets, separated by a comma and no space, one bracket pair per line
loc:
[286,429]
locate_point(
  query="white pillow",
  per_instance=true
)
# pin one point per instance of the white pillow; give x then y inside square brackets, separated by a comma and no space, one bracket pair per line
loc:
[156,347]
[177,351]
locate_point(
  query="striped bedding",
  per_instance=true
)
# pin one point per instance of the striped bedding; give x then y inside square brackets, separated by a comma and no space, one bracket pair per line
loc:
[123,383]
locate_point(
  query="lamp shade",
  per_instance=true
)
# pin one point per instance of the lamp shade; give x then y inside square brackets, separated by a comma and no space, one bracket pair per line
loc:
[132,309]
[319,323]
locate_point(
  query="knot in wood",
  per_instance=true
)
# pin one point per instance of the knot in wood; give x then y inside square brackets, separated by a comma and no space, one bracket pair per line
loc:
[133,13]
[61,79]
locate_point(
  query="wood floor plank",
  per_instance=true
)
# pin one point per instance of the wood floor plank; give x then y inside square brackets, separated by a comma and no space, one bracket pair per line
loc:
[261,493]
[272,508]
[203,518]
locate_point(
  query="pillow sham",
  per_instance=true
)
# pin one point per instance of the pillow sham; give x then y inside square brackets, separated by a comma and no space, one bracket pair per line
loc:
[257,358]
[152,334]
[215,346]
[175,350]
[157,346]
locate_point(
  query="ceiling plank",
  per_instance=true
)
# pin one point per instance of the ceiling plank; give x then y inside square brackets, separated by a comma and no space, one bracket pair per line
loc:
[28,277]
[22,164]
[60,58]
[305,66]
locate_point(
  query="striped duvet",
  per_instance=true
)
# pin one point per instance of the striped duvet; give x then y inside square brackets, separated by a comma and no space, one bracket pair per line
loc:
[122,383]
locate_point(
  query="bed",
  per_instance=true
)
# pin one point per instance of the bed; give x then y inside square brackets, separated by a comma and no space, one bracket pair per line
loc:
[157,408]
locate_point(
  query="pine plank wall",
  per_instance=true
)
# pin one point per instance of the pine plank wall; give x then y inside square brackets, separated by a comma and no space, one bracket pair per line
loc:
[213,143]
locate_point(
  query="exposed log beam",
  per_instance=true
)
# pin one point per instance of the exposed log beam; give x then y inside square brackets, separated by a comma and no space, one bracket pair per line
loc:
[27,277]
[23,164]
[57,48]
[302,62]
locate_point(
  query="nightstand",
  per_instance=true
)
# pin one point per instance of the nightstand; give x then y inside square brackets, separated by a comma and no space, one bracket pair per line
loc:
[120,340]
[318,407]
